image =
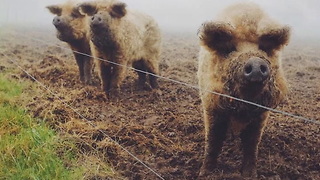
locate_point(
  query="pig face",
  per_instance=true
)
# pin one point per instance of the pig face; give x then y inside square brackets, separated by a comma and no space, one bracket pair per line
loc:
[104,18]
[250,69]
[69,22]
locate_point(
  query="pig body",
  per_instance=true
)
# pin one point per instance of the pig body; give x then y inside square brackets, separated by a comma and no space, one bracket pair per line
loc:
[240,56]
[122,37]
[71,28]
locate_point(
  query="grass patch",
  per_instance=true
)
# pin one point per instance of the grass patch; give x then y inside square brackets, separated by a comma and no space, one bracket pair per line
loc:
[28,148]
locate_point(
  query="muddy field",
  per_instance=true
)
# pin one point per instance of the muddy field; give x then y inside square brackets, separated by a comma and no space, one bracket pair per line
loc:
[166,131]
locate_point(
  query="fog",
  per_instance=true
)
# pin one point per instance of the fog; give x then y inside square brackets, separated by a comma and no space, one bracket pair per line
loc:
[176,15]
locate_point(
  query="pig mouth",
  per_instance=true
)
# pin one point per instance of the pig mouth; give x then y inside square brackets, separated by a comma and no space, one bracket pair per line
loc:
[252,89]
[258,92]
[60,27]
[65,34]
[63,29]
[98,29]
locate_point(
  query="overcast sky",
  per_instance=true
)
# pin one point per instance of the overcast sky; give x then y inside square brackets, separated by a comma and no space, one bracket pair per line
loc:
[177,15]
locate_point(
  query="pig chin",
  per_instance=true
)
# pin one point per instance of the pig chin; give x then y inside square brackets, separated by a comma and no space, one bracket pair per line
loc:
[259,94]
[252,89]
[65,35]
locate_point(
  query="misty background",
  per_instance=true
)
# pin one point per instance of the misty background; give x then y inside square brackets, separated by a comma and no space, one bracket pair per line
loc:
[176,15]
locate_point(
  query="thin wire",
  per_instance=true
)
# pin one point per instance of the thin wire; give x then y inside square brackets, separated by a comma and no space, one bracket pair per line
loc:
[185,84]
[93,125]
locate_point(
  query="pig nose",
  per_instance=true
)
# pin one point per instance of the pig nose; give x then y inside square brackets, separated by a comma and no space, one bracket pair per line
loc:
[57,21]
[96,20]
[256,70]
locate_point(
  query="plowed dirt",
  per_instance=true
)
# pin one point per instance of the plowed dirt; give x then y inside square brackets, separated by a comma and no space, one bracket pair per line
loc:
[166,130]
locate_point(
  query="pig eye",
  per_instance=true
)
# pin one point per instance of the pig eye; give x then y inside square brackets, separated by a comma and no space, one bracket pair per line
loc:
[75,15]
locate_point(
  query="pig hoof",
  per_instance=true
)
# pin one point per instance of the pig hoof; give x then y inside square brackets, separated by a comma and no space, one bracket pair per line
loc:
[114,94]
[206,170]
[249,173]
[147,87]
[154,84]
[82,79]
[157,93]
[88,82]
[142,85]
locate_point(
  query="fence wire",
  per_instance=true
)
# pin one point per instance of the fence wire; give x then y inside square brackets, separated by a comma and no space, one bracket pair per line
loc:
[84,118]
[180,82]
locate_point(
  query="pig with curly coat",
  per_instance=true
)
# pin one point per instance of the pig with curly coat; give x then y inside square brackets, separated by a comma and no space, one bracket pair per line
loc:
[71,28]
[240,56]
[122,37]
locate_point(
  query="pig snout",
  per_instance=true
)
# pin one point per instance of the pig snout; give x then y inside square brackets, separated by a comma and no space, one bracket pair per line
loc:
[96,20]
[57,21]
[256,70]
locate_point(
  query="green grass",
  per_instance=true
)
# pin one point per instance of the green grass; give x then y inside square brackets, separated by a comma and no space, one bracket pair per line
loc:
[28,148]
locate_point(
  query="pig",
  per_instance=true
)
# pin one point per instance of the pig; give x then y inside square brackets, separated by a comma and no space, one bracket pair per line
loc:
[122,37]
[240,56]
[71,28]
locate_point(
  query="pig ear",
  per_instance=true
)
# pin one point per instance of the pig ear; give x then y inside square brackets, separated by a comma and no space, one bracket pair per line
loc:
[87,8]
[76,12]
[118,10]
[274,39]
[55,9]
[218,37]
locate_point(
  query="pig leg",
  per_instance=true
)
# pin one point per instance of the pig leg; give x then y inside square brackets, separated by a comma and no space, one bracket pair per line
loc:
[250,138]
[105,76]
[142,76]
[88,68]
[118,73]
[80,62]
[153,67]
[216,126]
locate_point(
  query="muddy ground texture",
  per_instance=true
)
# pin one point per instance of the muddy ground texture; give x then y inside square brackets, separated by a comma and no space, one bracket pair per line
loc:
[166,131]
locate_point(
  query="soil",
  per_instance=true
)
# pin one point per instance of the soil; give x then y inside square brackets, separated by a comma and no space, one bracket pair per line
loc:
[165,128]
